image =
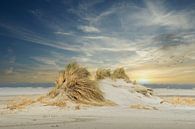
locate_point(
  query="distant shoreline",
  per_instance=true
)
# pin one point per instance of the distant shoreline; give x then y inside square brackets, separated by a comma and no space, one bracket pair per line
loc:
[49,85]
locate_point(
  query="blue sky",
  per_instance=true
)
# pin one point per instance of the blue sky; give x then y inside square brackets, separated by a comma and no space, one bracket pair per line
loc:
[153,40]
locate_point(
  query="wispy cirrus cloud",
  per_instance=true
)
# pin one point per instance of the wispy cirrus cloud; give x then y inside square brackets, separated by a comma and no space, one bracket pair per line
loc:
[89,29]
[9,71]
[64,33]
[33,37]
[156,14]
[138,36]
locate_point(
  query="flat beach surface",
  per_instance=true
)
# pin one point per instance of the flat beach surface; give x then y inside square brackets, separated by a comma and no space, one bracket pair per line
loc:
[46,117]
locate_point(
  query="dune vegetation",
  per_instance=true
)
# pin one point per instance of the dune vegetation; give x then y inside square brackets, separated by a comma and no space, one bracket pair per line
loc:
[74,84]
[180,100]
[20,103]
[102,74]
[118,73]
[142,106]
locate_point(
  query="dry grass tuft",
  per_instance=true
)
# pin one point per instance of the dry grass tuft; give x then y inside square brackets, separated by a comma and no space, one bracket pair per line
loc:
[102,74]
[77,107]
[56,103]
[119,73]
[73,85]
[141,106]
[77,86]
[77,70]
[180,101]
[20,103]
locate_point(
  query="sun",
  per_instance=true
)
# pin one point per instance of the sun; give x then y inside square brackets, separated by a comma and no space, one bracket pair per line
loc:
[144,81]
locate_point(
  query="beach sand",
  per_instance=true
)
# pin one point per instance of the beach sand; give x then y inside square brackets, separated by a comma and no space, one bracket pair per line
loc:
[132,110]
[38,116]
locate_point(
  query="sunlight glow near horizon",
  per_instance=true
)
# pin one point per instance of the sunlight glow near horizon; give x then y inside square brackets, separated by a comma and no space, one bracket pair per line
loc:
[144,81]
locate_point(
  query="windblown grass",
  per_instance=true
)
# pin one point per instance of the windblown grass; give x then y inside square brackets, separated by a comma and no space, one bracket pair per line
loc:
[20,103]
[77,86]
[141,106]
[119,73]
[102,74]
[73,84]
[180,101]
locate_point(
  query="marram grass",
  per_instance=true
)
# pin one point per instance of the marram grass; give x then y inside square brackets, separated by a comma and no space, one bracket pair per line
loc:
[73,84]
[119,73]
[180,100]
[77,86]
[102,74]
[142,106]
[20,103]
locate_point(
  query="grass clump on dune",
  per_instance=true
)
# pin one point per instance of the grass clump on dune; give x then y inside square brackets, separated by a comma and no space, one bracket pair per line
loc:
[102,74]
[77,86]
[20,103]
[180,100]
[72,86]
[119,73]
[142,106]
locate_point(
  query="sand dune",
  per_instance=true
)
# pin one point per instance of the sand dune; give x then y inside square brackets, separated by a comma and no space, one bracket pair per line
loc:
[133,110]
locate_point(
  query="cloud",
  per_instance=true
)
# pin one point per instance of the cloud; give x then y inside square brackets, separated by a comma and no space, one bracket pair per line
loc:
[64,33]
[45,60]
[12,60]
[9,71]
[89,29]
[157,14]
[55,60]
[10,57]
[128,18]
[94,37]
[128,15]
[33,37]
[136,36]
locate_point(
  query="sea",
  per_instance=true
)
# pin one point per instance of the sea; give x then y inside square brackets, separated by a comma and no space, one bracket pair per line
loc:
[184,90]
[24,88]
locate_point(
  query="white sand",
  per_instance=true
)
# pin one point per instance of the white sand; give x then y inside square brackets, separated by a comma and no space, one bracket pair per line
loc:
[175,92]
[122,93]
[121,116]
[45,117]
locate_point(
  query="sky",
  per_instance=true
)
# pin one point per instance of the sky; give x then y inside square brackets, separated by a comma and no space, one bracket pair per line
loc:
[154,40]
